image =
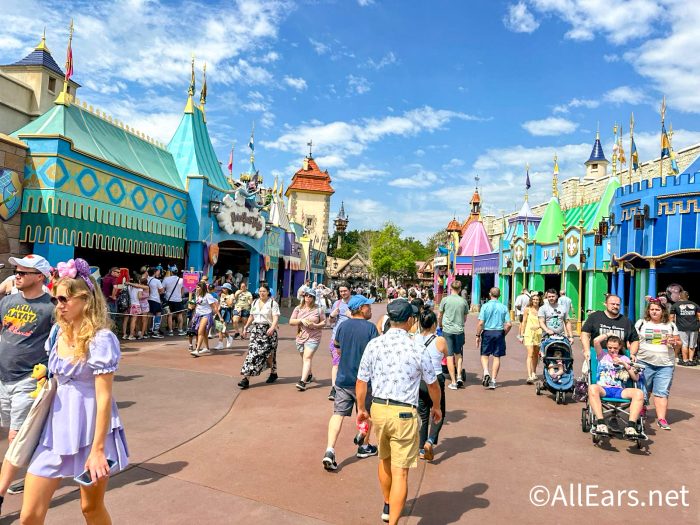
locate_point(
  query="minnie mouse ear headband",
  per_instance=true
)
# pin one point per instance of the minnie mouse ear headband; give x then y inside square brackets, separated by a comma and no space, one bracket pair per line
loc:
[75,268]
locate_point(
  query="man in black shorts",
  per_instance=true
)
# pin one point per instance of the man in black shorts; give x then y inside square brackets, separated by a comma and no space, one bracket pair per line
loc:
[350,341]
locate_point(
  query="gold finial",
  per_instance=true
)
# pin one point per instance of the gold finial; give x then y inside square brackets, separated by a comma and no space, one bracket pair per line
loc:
[555,178]
[189,107]
[663,109]
[42,45]
[64,98]
[203,95]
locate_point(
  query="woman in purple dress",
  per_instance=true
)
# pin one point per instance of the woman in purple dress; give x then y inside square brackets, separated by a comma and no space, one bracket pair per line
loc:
[83,430]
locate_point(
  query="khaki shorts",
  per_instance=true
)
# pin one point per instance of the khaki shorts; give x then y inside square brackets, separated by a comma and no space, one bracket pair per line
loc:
[397,437]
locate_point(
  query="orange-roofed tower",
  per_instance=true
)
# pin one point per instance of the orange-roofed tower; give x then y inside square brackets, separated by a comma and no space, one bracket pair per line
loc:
[309,195]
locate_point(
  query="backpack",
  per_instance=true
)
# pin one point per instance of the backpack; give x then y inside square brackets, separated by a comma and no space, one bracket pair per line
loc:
[123,300]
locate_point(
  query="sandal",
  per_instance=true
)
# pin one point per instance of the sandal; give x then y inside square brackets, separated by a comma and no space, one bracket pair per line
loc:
[631,432]
[602,430]
[244,383]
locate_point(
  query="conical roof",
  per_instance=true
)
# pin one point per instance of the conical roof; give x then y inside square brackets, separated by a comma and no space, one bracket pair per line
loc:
[454,226]
[604,203]
[193,152]
[475,241]
[597,154]
[40,57]
[552,224]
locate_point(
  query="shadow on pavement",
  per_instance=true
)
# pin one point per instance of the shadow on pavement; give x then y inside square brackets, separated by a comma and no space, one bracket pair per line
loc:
[448,507]
[453,416]
[121,405]
[120,378]
[450,447]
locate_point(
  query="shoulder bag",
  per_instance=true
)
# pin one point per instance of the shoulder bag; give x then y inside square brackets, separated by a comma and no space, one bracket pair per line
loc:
[23,446]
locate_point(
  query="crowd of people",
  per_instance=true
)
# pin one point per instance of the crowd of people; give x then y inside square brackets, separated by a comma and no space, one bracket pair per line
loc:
[395,372]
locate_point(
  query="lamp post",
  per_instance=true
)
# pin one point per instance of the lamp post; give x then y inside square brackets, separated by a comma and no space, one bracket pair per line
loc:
[581,259]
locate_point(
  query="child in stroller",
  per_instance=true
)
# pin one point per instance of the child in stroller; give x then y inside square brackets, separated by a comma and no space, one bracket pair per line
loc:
[614,370]
[556,366]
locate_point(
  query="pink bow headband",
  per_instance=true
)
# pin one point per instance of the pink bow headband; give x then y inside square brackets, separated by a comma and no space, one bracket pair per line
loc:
[76,268]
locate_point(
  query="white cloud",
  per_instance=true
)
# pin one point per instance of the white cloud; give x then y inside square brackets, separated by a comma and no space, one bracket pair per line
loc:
[625,95]
[519,19]
[358,85]
[352,138]
[612,19]
[576,103]
[423,179]
[612,57]
[550,126]
[452,164]
[387,60]
[272,56]
[297,83]
[360,173]
[319,47]
[672,62]
[419,153]
[365,3]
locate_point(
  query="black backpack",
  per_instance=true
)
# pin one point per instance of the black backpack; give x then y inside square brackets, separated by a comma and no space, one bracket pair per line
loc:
[123,300]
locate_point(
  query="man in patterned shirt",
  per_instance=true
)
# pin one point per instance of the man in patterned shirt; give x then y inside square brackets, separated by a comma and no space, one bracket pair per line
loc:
[395,365]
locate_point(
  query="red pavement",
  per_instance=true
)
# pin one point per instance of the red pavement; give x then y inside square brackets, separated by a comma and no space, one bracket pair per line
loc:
[203,451]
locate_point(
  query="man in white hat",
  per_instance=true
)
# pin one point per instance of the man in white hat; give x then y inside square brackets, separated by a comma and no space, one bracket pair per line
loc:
[26,322]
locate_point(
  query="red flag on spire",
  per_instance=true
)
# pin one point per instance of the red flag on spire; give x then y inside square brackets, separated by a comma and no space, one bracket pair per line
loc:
[230,162]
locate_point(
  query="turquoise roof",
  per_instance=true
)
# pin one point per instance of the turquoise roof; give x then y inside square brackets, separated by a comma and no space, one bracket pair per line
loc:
[104,140]
[585,211]
[193,152]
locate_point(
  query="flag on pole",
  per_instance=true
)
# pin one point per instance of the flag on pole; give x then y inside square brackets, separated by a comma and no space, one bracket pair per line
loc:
[634,156]
[251,143]
[674,164]
[230,162]
[69,54]
[665,145]
[527,177]
[621,152]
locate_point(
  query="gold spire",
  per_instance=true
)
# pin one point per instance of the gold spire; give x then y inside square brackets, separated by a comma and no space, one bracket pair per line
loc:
[64,98]
[555,178]
[203,94]
[42,45]
[189,107]
[274,187]
[614,155]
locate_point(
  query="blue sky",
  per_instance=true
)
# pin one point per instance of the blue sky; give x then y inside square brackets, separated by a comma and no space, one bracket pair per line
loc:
[405,101]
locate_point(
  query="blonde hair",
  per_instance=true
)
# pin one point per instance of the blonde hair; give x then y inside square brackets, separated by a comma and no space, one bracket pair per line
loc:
[95,317]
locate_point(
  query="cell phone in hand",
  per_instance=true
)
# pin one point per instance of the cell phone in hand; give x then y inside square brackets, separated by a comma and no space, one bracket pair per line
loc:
[85,478]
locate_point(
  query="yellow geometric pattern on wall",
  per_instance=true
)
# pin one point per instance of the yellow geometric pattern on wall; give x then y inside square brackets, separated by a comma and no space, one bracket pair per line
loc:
[68,176]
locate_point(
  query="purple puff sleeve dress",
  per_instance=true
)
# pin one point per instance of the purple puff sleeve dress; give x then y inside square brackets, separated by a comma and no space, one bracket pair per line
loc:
[67,437]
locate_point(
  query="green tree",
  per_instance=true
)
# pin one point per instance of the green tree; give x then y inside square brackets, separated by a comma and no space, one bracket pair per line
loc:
[436,239]
[390,255]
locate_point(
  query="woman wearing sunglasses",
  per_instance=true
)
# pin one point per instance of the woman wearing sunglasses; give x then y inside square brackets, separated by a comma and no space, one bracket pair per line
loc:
[83,430]
[658,340]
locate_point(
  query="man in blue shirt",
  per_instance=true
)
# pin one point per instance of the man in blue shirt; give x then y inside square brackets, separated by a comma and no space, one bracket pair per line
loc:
[350,341]
[491,330]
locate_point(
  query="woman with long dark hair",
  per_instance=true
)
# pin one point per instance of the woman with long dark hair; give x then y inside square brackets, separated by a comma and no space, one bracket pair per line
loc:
[262,347]
[83,430]
[436,348]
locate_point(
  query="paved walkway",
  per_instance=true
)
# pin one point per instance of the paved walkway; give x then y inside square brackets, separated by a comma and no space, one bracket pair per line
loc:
[203,451]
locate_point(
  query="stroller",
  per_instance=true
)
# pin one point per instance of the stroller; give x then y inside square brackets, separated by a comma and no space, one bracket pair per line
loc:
[556,351]
[615,411]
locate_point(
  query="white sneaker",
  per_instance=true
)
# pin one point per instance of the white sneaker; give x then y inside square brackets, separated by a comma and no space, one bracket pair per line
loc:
[492,385]
[229,342]
[452,386]
[206,351]
[219,346]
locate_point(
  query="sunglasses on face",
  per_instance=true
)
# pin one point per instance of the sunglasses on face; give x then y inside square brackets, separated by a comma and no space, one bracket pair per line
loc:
[62,299]
[20,273]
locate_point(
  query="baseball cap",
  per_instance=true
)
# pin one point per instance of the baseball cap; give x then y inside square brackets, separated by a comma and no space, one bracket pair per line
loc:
[229,272]
[32,261]
[307,290]
[400,310]
[358,301]
[227,286]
